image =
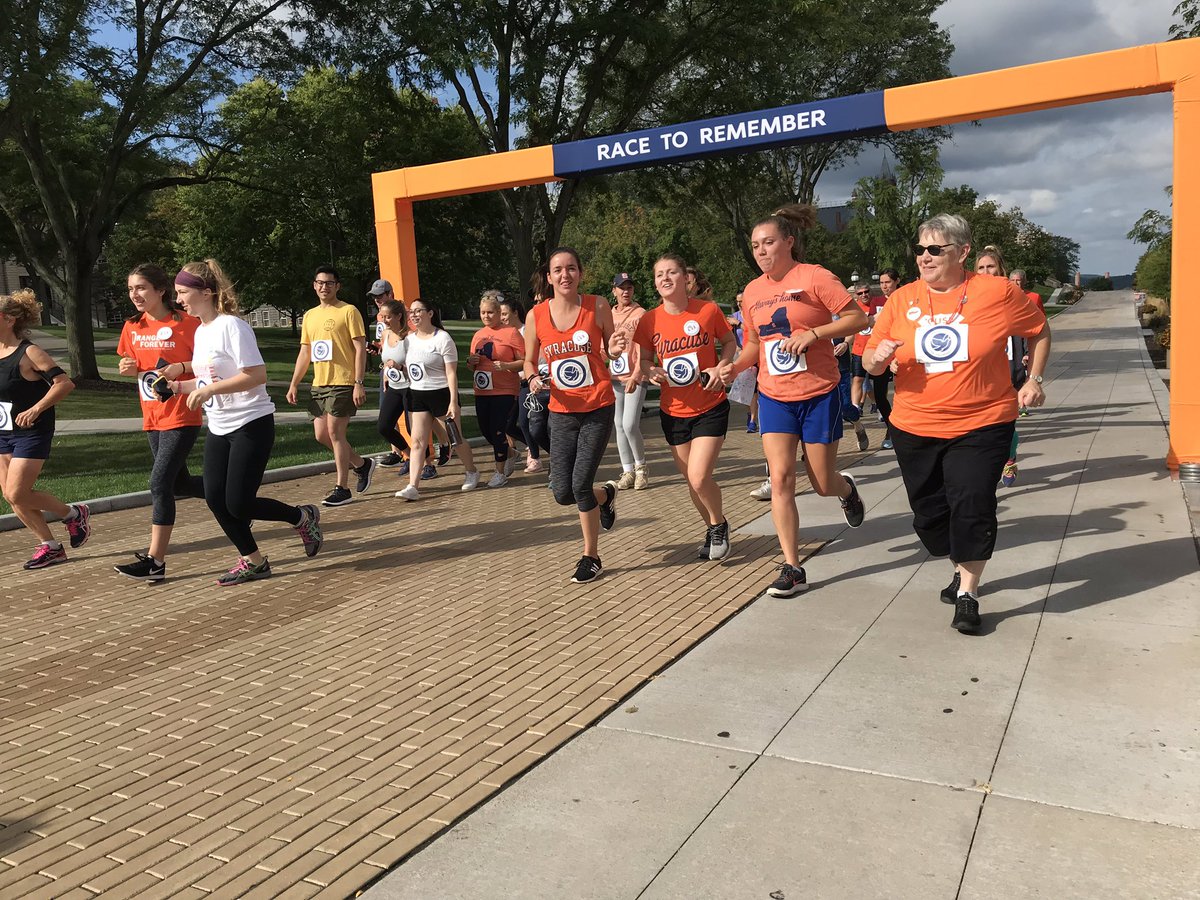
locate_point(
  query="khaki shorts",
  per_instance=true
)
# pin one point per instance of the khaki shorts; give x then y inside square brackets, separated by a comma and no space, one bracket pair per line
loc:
[332,400]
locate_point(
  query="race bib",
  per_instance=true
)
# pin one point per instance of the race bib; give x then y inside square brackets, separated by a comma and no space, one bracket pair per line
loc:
[212,401]
[682,370]
[322,350]
[416,372]
[144,381]
[6,421]
[379,327]
[620,365]
[483,380]
[1008,349]
[571,373]
[394,376]
[780,362]
[866,330]
[939,347]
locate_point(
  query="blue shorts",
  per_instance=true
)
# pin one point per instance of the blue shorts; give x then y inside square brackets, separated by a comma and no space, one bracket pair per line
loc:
[817,420]
[26,444]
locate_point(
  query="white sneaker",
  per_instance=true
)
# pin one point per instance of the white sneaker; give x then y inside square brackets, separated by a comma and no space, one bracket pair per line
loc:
[498,479]
[510,466]
[409,493]
[471,481]
[763,491]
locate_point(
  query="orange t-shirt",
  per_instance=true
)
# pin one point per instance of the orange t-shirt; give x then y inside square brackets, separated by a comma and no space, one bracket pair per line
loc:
[504,344]
[1036,299]
[146,342]
[579,378]
[860,339]
[976,392]
[805,298]
[685,345]
[625,321]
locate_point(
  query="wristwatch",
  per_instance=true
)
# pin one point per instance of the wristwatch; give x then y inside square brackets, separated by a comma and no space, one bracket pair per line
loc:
[1037,379]
[360,382]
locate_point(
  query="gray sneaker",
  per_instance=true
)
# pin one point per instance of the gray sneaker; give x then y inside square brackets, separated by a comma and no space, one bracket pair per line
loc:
[718,540]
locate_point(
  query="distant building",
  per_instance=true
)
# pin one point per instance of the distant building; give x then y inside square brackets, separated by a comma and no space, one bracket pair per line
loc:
[835,217]
[268,317]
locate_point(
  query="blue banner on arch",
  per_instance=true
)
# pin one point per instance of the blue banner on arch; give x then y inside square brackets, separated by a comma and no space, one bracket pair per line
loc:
[843,117]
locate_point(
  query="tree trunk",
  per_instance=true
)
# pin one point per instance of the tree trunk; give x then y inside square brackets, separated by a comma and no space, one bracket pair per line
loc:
[81,336]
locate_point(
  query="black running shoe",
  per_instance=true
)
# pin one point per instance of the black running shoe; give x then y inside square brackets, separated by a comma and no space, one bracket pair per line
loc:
[853,506]
[608,509]
[703,550]
[79,526]
[791,581]
[589,569]
[365,473]
[309,530]
[966,614]
[443,454]
[718,540]
[339,496]
[391,460]
[144,569]
[950,592]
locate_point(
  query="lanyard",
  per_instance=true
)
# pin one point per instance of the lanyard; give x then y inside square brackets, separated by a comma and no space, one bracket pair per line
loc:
[957,316]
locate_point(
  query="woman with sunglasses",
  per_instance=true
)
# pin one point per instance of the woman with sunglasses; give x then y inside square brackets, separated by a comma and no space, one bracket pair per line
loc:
[432,361]
[955,407]
[789,312]
[575,334]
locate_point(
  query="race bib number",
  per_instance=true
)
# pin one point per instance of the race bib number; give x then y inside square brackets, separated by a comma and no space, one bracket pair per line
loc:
[145,380]
[620,365]
[394,376]
[939,347]
[780,362]
[483,380]
[682,370]
[416,372]
[6,420]
[571,373]
[322,350]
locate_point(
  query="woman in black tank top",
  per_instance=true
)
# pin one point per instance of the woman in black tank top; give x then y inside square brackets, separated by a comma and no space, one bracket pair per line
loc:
[30,385]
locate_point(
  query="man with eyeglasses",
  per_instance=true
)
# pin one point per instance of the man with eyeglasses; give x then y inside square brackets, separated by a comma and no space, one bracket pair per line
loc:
[333,340]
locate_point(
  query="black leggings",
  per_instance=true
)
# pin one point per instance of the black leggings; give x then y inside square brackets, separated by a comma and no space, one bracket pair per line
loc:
[494,413]
[879,387]
[522,413]
[234,464]
[951,485]
[539,422]
[169,476]
[577,445]
[392,405]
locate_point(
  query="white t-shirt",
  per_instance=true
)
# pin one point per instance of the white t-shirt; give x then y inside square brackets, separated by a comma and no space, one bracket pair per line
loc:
[222,348]
[426,359]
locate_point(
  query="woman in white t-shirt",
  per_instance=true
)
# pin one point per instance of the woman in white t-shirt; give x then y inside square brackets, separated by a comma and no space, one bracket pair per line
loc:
[432,363]
[230,384]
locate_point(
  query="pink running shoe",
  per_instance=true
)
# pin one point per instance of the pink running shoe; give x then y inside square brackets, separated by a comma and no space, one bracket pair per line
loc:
[45,555]
[80,527]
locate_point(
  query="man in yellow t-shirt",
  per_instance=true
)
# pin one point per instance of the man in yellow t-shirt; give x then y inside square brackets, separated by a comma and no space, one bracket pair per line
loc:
[334,341]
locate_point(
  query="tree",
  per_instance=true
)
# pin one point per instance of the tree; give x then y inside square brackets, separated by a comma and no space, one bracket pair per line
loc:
[143,97]
[1188,25]
[1153,272]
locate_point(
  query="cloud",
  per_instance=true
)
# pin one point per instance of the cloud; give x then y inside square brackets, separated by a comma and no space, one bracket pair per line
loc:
[1085,171]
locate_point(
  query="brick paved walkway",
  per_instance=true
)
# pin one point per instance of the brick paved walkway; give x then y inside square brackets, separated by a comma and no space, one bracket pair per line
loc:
[300,736]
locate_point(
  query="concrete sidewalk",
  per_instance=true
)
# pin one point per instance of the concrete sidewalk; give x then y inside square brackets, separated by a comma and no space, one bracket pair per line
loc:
[848,743]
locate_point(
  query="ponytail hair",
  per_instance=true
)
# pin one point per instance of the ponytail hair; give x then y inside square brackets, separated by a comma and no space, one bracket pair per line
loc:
[161,282]
[994,252]
[23,306]
[435,314]
[397,308]
[515,306]
[792,221]
[225,297]
[542,288]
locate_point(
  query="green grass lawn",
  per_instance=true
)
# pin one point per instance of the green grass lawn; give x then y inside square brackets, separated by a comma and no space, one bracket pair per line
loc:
[86,466]
[85,404]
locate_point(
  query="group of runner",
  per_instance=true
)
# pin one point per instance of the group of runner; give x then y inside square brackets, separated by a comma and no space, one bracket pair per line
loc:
[560,379]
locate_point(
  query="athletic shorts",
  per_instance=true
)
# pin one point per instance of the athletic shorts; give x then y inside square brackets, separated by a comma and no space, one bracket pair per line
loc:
[332,400]
[681,429]
[436,403]
[26,444]
[817,420]
[856,367]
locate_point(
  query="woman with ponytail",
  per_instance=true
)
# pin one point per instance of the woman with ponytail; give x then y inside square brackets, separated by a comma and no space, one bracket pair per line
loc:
[790,312]
[228,379]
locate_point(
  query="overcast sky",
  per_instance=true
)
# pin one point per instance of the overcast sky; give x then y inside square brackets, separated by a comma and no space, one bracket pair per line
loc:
[1087,171]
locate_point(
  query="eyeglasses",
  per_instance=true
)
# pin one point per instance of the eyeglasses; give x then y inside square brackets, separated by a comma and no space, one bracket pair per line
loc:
[863,293]
[931,249]
[416,311]
[326,283]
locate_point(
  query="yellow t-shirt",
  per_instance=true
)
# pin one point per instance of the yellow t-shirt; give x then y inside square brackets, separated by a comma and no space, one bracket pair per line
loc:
[329,332]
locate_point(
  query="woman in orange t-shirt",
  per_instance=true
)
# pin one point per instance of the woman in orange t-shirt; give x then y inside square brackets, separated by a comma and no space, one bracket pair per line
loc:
[574,333]
[955,407]
[156,341]
[496,359]
[682,335]
[789,314]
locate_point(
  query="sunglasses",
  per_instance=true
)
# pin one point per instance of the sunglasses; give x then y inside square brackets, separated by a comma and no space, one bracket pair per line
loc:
[931,249]
[863,293]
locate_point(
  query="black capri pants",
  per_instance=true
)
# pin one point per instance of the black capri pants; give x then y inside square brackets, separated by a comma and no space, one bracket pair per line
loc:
[169,476]
[577,445]
[234,464]
[951,485]
[495,414]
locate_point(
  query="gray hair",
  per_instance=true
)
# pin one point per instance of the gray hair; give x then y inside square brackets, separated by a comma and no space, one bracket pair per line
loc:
[1015,272]
[953,228]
